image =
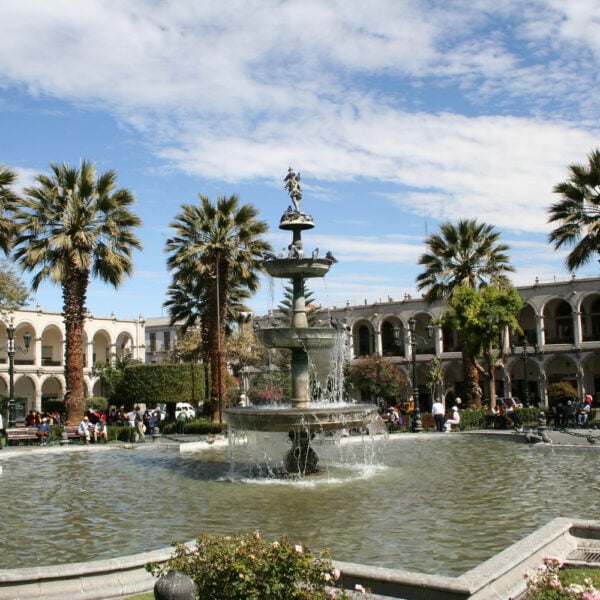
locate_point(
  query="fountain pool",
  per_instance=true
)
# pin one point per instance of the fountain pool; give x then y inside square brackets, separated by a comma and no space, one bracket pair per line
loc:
[432,503]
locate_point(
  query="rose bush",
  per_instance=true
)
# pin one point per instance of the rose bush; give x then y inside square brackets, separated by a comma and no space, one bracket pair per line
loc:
[246,567]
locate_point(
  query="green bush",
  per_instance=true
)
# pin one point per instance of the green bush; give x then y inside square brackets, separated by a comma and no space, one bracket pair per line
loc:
[196,427]
[165,382]
[246,567]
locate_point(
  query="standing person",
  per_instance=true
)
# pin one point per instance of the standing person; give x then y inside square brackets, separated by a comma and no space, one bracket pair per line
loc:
[139,423]
[512,414]
[437,410]
[182,420]
[1,428]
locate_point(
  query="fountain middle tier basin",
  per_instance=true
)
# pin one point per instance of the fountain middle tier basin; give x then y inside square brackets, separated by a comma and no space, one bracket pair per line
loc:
[292,268]
[309,338]
[316,419]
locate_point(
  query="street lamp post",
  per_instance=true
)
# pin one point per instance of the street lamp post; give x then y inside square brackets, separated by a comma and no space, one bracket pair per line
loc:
[525,357]
[10,348]
[417,423]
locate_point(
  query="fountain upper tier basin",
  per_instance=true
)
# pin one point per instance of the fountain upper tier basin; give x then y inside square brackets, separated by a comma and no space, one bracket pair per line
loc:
[309,338]
[292,268]
[316,419]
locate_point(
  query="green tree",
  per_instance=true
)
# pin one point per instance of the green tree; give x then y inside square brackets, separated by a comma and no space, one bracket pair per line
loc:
[74,225]
[8,202]
[286,306]
[214,256]
[481,318]
[435,379]
[13,292]
[577,213]
[376,378]
[468,254]
[112,373]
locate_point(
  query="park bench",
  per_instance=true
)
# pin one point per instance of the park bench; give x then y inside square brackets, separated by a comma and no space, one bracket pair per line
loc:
[72,432]
[19,434]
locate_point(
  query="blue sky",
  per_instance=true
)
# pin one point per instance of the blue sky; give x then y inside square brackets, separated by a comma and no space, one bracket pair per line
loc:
[399,114]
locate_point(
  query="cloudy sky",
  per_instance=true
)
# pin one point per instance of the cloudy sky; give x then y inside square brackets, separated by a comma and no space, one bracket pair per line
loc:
[399,114]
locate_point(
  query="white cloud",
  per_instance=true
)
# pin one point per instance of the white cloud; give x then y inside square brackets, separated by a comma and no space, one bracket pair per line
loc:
[470,108]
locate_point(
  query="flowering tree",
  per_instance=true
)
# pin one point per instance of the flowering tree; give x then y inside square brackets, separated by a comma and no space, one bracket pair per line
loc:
[375,377]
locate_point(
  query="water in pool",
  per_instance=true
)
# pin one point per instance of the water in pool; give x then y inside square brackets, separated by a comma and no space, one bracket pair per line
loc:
[434,504]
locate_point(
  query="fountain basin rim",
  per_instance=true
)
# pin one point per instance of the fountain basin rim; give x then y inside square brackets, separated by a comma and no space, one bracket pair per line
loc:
[322,418]
[295,337]
[297,267]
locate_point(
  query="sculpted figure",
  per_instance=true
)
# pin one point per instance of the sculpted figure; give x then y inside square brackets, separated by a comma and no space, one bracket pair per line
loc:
[292,185]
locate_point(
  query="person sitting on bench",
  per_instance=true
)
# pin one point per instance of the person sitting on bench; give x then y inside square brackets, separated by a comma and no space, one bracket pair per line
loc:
[454,420]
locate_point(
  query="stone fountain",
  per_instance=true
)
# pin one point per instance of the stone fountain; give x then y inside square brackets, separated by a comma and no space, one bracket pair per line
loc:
[304,418]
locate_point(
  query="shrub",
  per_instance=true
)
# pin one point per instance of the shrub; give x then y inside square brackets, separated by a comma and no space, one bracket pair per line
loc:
[197,427]
[550,582]
[245,567]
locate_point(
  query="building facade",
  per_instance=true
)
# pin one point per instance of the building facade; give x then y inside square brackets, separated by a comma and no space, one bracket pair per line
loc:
[560,322]
[161,339]
[38,372]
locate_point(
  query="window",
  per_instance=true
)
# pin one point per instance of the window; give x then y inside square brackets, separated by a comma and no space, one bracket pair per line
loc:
[153,342]
[167,341]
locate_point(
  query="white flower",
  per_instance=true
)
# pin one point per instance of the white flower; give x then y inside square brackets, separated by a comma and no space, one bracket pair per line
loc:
[298,548]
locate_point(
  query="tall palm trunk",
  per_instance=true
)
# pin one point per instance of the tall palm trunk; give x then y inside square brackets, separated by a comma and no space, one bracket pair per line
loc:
[74,296]
[471,374]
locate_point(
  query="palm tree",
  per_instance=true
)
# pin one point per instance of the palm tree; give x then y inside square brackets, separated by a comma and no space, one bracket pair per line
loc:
[215,255]
[72,226]
[578,213]
[466,254]
[8,202]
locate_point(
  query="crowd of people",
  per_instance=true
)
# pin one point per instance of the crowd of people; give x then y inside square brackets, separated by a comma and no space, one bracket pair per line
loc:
[571,413]
[568,413]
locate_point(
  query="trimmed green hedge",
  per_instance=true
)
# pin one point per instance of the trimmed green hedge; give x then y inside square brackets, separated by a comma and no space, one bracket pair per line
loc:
[169,382]
[196,427]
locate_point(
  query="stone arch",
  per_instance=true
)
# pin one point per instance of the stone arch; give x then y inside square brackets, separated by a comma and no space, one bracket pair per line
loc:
[558,322]
[363,338]
[52,387]
[562,367]
[25,388]
[450,339]
[123,344]
[52,346]
[390,344]
[527,320]
[425,343]
[454,381]
[591,375]
[590,317]
[101,347]
[525,374]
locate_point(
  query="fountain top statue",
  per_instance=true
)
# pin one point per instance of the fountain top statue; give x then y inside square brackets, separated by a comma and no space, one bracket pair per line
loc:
[293,218]
[292,185]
